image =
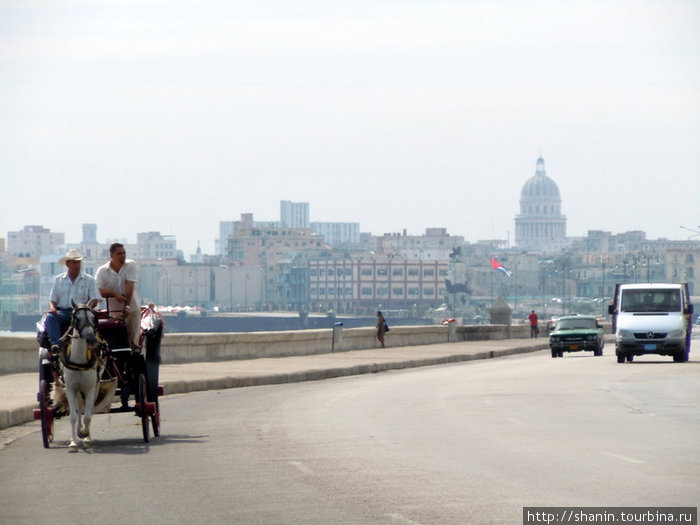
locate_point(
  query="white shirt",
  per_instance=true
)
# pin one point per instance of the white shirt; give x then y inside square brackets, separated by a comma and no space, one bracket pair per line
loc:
[106,277]
[81,291]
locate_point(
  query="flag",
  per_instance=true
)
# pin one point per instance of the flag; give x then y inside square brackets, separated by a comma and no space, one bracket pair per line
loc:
[495,265]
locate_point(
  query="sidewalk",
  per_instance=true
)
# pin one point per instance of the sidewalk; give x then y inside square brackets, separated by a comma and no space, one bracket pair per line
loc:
[18,391]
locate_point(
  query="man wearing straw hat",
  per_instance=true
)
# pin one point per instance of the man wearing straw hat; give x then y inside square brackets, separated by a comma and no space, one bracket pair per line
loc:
[74,285]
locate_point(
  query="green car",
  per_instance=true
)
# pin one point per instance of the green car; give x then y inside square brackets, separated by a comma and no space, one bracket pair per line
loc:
[576,333]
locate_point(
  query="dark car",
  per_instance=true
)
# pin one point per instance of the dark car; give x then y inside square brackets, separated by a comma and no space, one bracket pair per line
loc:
[576,333]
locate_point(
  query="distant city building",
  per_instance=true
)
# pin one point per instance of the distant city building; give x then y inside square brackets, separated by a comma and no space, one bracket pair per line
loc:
[361,285]
[338,234]
[684,266]
[90,247]
[89,234]
[229,228]
[294,214]
[252,242]
[153,245]
[435,244]
[34,241]
[277,250]
[540,227]
[225,231]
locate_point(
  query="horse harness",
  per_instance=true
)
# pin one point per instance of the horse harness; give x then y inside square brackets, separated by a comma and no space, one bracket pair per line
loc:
[93,354]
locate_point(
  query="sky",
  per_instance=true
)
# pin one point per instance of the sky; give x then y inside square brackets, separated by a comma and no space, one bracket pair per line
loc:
[174,115]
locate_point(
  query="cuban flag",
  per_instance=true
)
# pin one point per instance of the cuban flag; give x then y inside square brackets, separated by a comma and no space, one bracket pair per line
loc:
[495,265]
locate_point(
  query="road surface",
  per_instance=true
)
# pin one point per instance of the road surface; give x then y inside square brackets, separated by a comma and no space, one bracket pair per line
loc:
[465,443]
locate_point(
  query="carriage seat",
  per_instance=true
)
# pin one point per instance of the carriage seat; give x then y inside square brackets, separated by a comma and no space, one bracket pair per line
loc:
[113,331]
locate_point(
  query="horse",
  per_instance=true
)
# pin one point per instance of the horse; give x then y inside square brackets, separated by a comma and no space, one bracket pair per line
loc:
[82,364]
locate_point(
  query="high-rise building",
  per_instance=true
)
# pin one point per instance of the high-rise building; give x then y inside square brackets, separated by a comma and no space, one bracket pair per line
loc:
[338,234]
[226,229]
[89,234]
[294,214]
[540,226]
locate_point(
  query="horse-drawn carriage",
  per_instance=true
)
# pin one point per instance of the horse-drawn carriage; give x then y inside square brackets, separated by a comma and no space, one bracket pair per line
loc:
[95,352]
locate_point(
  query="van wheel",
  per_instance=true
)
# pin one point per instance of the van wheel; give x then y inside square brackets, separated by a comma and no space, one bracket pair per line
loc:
[554,353]
[681,358]
[620,358]
[630,358]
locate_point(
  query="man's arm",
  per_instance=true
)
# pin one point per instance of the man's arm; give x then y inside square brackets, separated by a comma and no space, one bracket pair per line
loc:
[53,296]
[129,292]
[106,292]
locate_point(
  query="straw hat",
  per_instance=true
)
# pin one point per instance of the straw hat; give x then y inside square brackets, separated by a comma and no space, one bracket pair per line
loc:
[72,255]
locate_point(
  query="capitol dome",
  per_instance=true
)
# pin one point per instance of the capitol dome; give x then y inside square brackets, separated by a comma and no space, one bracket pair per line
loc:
[540,186]
[540,226]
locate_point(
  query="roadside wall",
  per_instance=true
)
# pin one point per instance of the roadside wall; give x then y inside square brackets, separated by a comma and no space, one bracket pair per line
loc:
[19,354]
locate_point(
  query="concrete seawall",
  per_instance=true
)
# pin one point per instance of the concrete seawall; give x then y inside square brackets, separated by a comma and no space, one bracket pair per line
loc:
[18,354]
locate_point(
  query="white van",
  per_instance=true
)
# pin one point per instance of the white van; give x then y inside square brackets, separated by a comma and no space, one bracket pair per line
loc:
[651,319]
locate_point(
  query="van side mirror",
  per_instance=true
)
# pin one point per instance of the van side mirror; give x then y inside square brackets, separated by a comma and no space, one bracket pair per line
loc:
[611,309]
[689,309]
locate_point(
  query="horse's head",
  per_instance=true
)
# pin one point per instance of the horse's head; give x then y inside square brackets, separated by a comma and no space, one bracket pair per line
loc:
[84,322]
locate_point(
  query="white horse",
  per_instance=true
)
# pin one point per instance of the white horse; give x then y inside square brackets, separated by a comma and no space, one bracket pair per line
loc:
[82,365]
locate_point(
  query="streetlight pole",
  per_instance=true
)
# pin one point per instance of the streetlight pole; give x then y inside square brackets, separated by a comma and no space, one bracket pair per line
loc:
[602,260]
[230,290]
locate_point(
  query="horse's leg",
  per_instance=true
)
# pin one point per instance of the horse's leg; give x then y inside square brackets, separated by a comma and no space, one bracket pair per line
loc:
[90,396]
[73,407]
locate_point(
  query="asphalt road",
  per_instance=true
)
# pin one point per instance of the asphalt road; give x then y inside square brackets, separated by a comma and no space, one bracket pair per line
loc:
[466,443]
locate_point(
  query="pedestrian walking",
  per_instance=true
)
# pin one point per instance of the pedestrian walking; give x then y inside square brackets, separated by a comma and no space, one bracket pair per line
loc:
[382,328]
[534,326]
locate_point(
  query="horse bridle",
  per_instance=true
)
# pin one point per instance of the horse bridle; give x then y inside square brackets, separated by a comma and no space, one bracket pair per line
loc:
[95,353]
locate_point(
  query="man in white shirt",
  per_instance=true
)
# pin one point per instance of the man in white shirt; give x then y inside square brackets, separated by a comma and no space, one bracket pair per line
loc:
[117,281]
[72,286]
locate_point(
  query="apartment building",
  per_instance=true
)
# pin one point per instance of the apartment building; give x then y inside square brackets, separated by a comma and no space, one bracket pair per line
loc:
[357,285]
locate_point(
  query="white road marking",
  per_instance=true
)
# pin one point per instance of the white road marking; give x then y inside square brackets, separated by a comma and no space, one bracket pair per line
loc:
[302,468]
[398,518]
[624,458]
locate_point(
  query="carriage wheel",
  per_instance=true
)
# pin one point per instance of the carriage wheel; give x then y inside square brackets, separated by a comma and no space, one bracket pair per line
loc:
[153,392]
[155,420]
[46,413]
[143,400]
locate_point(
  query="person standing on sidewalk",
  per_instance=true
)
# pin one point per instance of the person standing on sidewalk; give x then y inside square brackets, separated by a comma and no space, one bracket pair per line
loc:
[381,328]
[534,327]
[117,281]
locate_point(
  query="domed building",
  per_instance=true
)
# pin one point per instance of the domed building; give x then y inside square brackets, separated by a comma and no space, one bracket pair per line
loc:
[540,227]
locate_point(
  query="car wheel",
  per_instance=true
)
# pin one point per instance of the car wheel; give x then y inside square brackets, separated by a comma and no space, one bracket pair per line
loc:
[620,358]
[630,358]
[554,353]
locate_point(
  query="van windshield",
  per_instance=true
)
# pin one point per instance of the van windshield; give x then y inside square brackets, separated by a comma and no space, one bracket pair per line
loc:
[651,301]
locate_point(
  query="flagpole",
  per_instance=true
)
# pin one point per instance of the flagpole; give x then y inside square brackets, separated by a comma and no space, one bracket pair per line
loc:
[515,271]
[491,272]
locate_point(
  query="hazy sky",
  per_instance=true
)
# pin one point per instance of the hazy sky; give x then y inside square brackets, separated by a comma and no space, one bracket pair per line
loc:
[174,115]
